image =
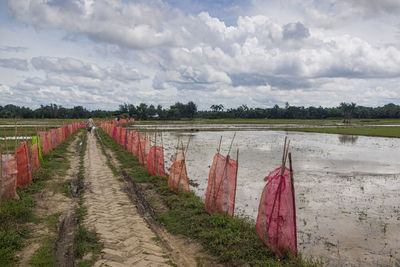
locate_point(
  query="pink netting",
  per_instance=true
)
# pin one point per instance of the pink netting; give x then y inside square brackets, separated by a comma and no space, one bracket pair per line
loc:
[8,181]
[178,180]
[276,220]
[144,149]
[35,163]
[24,169]
[155,161]
[221,189]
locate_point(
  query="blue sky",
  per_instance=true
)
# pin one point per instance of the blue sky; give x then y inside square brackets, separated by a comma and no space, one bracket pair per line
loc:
[102,53]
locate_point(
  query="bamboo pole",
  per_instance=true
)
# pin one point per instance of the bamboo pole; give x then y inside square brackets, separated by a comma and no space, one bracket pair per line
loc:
[219,146]
[15,138]
[285,154]
[230,147]
[293,196]
[1,170]
[5,140]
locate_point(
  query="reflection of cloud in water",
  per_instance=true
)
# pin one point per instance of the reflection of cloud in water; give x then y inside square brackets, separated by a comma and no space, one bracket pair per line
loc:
[348,139]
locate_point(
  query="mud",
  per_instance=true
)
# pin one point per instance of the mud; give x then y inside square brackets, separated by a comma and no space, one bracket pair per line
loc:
[64,246]
[66,228]
[348,205]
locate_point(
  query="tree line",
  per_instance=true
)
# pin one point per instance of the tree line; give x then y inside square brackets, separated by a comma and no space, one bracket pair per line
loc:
[179,111]
[52,111]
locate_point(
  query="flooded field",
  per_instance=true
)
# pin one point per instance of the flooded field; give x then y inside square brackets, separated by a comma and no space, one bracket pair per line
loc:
[347,187]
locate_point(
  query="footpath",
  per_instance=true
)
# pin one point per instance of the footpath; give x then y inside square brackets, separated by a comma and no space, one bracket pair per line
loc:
[127,239]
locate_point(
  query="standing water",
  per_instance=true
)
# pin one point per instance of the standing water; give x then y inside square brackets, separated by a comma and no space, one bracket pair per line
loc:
[347,187]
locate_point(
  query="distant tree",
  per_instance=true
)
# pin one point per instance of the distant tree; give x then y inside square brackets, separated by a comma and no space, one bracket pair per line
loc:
[162,114]
[191,110]
[217,108]
[124,108]
[347,110]
[142,111]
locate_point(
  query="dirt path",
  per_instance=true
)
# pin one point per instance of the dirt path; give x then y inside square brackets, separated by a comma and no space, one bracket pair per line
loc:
[53,205]
[127,239]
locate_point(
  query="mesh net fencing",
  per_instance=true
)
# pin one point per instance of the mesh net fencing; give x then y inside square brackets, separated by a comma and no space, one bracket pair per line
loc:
[276,220]
[221,188]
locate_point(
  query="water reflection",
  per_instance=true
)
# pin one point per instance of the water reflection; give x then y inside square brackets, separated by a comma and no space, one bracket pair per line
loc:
[348,139]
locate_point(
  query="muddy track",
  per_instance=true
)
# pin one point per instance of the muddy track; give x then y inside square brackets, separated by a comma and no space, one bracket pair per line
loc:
[127,239]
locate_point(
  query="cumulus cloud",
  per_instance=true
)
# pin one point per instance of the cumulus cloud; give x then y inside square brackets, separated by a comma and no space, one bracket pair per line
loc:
[255,60]
[15,49]
[75,67]
[14,63]
[133,25]
[4,89]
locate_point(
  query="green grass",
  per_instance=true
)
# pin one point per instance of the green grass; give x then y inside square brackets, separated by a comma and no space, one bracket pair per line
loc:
[15,213]
[368,131]
[232,239]
[44,256]
[85,241]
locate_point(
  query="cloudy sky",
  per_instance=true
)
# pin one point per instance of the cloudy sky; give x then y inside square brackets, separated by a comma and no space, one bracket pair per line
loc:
[101,53]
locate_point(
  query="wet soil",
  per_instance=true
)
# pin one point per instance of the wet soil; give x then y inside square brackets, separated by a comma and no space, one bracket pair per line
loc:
[348,205]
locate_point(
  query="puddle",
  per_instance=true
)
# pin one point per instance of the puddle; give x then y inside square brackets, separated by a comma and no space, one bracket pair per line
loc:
[347,187]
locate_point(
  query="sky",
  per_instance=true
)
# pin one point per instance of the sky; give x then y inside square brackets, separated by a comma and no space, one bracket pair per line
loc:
[103,53]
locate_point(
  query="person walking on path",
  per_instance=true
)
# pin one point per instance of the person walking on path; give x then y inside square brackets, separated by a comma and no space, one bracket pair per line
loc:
[89,124]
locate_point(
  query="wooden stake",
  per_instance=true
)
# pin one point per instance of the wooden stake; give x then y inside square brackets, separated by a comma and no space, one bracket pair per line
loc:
[229,151]
[284,148]
[1,170]
[187,146]
[5,140]
[177,145]
[291,169]
[15,135]
[219,146]
[284,155]
[293,196]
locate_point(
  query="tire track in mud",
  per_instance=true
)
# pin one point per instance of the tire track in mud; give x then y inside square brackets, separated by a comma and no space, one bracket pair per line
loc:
[127,239]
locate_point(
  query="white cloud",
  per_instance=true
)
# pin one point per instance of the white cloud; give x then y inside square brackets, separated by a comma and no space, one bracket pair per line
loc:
[14,63]
[157,53]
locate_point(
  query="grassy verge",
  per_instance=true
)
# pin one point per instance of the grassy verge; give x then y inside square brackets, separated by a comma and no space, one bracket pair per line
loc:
[233,240]
[15,214]
[85,242]
[367,131]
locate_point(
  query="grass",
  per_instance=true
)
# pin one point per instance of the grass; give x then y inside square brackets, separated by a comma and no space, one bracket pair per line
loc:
[232,239]
[85,241]
[44,256]
[368,131]
[15,213]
